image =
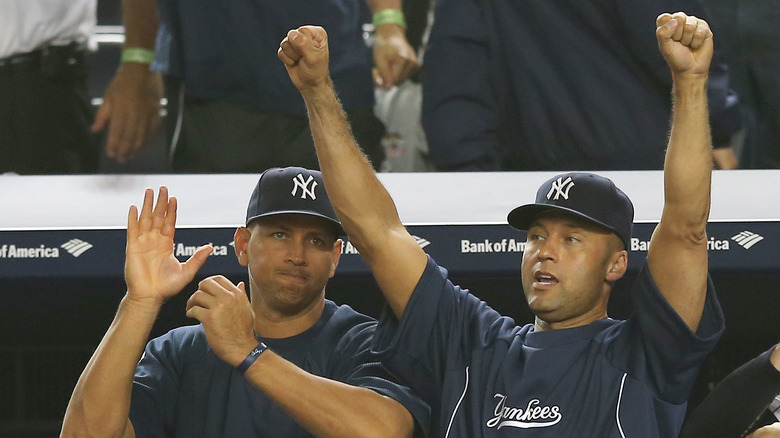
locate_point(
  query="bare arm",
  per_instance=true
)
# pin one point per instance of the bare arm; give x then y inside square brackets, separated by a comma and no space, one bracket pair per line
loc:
[324,407]
[132,100]
[365,208]
[677,258]
[328,408]
[100,403]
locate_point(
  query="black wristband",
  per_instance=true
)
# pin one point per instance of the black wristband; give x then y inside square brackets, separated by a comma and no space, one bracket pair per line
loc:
[251,358]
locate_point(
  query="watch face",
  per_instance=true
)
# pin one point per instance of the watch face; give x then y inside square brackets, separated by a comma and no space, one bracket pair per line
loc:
[775,406]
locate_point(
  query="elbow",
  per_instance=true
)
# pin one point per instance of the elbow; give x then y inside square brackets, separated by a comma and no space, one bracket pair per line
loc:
[76,425]
[688,228]
[694,234]
[400,425]
[690,235]
[388,430]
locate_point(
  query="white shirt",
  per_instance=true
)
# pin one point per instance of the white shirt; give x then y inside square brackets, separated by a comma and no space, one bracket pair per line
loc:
[27,25]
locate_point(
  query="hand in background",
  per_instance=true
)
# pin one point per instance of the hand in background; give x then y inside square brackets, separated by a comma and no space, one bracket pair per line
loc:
[131,109]
[394,58]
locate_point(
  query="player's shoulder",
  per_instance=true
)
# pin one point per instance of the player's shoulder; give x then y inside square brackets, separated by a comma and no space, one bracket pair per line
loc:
[346,325]
[347,318]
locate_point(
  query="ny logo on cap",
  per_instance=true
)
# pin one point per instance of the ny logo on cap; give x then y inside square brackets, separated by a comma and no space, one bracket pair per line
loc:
[561,188]
[307,186]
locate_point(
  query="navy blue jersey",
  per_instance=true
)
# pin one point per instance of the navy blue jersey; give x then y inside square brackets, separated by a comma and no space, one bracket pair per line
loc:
[227,49]
[182,389]
[591,91]
[485,376]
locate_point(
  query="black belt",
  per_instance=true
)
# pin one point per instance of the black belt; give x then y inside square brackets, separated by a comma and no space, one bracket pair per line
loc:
[33,59]
[21,59]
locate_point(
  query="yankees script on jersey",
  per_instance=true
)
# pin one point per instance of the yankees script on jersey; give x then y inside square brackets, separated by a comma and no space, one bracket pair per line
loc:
[486,377]
[182,389]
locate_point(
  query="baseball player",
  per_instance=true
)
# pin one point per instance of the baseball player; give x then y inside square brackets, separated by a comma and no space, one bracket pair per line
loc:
[574,372]
[287,364]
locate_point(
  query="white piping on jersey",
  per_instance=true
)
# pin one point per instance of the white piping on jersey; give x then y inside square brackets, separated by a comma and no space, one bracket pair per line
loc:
[457,406]
[617,412]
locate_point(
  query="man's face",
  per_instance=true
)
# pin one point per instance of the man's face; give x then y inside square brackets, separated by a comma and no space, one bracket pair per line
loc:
[290,259]
[567,269]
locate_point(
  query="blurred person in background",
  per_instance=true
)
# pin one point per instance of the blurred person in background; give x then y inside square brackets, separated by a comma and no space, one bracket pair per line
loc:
[226,91]
[753,53]
[561,85]
[45,112]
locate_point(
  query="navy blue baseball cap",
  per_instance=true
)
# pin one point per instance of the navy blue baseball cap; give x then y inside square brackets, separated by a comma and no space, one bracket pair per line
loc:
[586,195]
[291,190]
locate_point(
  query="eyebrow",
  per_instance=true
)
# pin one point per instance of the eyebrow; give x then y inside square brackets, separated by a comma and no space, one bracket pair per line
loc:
[308,231]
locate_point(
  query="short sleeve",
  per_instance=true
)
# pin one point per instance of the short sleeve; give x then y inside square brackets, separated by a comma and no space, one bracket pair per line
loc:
[155,388]
[659,348]
[354,363]
[440,327]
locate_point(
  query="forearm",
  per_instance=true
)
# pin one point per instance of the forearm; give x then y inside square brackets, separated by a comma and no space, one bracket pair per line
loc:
[360,200]
[100,403]
[688,165]
[379,5]
[327,408]
[140,20]
[362,203]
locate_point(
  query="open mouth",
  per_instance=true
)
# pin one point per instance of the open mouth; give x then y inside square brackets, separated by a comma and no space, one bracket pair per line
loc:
[544,279]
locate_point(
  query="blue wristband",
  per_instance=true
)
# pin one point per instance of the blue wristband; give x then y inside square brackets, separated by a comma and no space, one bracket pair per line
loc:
[251,358]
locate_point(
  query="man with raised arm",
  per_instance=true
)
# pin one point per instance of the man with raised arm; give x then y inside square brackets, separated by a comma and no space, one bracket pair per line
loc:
[287,364]
[574,372]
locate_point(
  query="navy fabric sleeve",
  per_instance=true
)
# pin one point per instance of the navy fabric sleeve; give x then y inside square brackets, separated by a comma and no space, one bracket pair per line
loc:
[155,387]
[737,402]
[660,348]
[440,327]
[459,107]
[354,363]
[638,20]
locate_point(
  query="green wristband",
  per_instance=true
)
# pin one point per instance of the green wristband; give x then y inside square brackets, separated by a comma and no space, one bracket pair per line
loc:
[137,54]
[389,16]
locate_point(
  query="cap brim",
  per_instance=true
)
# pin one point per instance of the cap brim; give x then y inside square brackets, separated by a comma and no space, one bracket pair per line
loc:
[521,217]
[339,228]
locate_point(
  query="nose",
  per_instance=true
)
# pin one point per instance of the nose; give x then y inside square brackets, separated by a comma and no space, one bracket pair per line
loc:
[296,253]
[548,250]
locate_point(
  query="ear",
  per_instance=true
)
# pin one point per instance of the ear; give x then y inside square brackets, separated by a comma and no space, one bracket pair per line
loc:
[336,256]
[241,242]
[617,266]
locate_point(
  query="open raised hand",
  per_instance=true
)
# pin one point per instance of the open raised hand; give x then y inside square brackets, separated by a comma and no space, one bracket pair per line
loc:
[152,272]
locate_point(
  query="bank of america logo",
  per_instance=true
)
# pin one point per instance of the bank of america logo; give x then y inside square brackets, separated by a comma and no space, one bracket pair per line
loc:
[746,239]
[421,241]
[76,247]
